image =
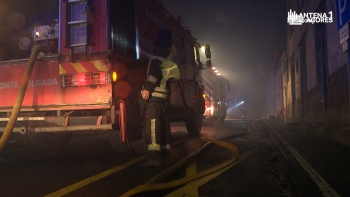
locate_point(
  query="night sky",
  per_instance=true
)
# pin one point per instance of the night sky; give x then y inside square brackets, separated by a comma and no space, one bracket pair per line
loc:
[243,35]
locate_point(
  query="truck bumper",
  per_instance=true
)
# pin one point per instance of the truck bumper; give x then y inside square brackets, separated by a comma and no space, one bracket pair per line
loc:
[24,125]
[24,130]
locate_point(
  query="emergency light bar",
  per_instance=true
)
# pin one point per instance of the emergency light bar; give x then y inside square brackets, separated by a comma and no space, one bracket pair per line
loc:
[84,79]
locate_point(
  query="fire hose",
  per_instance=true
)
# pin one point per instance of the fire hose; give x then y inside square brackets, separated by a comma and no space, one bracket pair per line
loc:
[155,184]
[20,96]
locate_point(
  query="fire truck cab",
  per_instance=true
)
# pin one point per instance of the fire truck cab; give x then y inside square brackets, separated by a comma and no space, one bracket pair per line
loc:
[91,71]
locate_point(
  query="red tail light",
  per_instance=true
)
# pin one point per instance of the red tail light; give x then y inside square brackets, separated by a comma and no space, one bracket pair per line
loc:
[84,79]
[102,78]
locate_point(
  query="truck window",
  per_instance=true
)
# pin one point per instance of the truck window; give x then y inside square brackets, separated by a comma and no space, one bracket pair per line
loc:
[18,19]
[78,18]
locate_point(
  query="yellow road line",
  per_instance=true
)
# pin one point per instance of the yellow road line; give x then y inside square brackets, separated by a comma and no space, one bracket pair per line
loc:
[191,169]
[191,189]
[94,178]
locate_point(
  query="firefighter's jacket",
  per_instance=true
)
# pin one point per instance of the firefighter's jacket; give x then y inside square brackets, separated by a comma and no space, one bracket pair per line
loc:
[157,76]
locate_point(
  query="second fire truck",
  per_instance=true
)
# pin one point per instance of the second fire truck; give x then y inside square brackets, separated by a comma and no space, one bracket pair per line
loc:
[215,89]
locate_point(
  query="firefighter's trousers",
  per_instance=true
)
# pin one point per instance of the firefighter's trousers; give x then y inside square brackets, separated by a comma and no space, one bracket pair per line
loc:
[157,127]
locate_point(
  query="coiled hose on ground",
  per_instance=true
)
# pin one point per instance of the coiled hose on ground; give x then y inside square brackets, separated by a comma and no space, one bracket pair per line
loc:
[154,184]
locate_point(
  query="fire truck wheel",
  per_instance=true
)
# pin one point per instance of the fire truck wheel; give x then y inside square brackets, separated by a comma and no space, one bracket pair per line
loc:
[139,146]
[23,140]
[194,124]
[48,141]
[114,140]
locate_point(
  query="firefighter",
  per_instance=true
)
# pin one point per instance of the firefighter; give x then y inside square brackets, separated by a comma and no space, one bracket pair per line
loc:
[156,95]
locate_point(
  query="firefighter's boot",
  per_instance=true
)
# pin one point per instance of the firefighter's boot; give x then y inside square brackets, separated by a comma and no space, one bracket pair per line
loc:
[153,159]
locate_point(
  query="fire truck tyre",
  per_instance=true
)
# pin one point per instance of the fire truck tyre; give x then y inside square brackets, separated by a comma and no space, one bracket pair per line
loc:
[114,140]
[194,124]
[23,140]
[49,141]
[139,146]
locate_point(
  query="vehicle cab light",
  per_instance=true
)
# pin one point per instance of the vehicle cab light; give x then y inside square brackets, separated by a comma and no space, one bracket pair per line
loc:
[114,76]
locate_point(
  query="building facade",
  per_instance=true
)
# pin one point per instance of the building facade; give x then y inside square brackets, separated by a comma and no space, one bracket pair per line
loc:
[309,81]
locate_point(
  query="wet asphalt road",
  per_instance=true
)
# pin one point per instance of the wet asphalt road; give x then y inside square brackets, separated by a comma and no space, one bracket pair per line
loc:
[265,167]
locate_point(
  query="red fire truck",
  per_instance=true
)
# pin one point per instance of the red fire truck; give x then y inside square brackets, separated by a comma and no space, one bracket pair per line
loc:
[215,89]
[93,67]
